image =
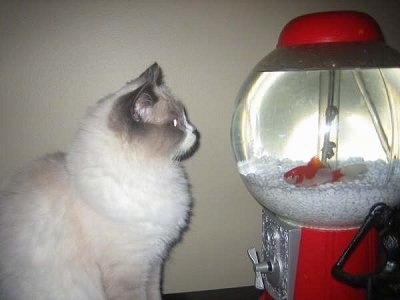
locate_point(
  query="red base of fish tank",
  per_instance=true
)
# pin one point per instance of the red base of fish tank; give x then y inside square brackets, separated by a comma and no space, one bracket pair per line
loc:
[318,252]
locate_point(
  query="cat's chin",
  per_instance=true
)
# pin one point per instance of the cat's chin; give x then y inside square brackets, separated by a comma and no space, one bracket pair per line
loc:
[188,147]
[186,155]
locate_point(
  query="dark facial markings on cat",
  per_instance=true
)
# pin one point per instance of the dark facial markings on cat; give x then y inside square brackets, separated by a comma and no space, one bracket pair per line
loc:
[141,107]
[149,115]
[125,116]
[132,109]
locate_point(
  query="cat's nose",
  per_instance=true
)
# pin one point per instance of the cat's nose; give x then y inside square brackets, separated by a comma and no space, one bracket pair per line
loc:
[191,127]
[194,130]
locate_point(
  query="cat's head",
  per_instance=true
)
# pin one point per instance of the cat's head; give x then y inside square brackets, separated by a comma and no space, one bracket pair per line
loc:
[146,115]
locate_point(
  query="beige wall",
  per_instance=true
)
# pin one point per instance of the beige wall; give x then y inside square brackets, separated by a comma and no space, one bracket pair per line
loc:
[57,57]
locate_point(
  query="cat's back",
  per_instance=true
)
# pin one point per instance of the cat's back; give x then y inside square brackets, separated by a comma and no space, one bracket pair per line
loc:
[31,202]
[37,228]
[41,181]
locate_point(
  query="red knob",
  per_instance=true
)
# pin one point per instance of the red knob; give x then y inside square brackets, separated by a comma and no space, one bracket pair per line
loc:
[330,27]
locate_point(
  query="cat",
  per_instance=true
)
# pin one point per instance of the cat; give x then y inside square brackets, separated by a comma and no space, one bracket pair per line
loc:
[98,221]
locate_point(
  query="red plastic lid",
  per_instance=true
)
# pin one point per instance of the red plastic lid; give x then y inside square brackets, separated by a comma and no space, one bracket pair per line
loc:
[330,27]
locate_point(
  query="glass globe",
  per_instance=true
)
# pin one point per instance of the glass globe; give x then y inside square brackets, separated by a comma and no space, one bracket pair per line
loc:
[338,101]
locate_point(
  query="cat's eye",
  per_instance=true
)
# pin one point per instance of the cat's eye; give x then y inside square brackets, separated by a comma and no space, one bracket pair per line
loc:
[174,122]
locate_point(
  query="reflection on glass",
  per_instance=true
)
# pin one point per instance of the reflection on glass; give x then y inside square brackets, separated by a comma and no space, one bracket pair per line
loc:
[346,116]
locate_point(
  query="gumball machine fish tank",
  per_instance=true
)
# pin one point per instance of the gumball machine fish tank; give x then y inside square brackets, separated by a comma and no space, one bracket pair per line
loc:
[315,134]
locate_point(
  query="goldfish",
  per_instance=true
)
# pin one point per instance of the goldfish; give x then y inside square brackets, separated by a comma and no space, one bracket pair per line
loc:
[315,173]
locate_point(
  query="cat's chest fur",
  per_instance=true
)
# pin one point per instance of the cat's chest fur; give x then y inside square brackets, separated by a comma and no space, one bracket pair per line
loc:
[153,202]
[155,195]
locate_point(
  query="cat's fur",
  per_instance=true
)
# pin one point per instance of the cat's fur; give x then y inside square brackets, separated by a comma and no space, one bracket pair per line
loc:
[97,222]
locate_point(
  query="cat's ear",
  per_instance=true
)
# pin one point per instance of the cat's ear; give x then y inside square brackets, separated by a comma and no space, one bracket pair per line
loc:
[142,103]
[153,75]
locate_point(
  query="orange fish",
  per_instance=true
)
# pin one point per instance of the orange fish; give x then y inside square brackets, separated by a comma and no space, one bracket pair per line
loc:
[316,173]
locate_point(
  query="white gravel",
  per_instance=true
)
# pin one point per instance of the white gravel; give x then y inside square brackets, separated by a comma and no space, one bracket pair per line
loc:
[330,205]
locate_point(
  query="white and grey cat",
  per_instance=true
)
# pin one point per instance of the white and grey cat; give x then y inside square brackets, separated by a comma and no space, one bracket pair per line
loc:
[97,222]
